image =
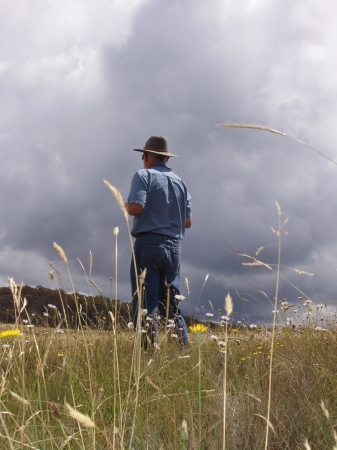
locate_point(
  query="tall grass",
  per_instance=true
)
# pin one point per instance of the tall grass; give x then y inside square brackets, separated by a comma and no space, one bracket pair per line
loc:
[304,373]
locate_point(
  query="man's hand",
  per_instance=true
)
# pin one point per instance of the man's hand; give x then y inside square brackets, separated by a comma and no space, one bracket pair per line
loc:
[188,222]
[133,209]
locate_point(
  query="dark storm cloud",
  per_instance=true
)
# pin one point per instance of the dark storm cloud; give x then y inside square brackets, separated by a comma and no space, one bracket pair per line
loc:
[84,98]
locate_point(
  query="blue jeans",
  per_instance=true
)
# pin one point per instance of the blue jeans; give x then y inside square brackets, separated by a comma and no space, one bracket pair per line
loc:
[161,257]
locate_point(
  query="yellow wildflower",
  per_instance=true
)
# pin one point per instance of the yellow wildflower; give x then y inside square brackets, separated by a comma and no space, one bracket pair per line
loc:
[10,333]
[60,355]
[198,328]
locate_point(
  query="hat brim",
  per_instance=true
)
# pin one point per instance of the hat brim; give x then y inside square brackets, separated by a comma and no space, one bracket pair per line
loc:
[171,155]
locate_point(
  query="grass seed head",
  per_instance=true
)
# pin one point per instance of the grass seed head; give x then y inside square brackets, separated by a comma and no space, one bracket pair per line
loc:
[81,418]
[60,251]
[20,399]
[119,198]
[183,431]
[228,304]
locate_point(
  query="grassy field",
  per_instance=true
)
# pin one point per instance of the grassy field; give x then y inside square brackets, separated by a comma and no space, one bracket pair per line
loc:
[234,387]
[125,404]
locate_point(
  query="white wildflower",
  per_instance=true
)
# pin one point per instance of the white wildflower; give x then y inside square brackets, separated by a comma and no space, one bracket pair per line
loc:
[214,338]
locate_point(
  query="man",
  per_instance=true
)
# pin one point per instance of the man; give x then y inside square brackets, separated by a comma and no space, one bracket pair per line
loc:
[161,206]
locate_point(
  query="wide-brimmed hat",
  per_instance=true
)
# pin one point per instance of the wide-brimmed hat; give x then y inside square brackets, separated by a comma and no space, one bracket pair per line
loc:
[158,145]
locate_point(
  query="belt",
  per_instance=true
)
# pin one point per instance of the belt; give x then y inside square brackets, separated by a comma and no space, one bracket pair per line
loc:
[164,236]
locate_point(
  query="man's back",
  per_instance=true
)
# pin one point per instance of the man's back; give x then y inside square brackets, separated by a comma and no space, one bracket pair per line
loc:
[165,199]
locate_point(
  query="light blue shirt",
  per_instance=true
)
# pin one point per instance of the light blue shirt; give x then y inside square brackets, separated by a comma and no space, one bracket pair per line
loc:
[165,199]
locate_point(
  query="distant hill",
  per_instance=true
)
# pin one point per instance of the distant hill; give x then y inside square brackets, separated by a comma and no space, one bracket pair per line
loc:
[51,306]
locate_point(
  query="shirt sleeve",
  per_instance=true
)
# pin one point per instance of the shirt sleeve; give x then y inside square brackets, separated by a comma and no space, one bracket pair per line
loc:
[138,189]
[188,207]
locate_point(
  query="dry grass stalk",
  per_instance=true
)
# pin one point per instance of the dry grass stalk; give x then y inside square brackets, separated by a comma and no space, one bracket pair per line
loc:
[306,445]
[60,251]
[271,130]
[228,304]
[94,284]
[229,310]
[90,263]
[20,399]
[269,424]
[206,278]
[253,396]
[255,263]
[22,444]
[187,285]
[251,127]
[81,418]
[324,409]
[119,198]
[112,317]
[16,292]
[152,383]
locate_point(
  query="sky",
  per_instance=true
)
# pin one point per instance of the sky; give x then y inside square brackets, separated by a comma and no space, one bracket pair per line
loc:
[82,83]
